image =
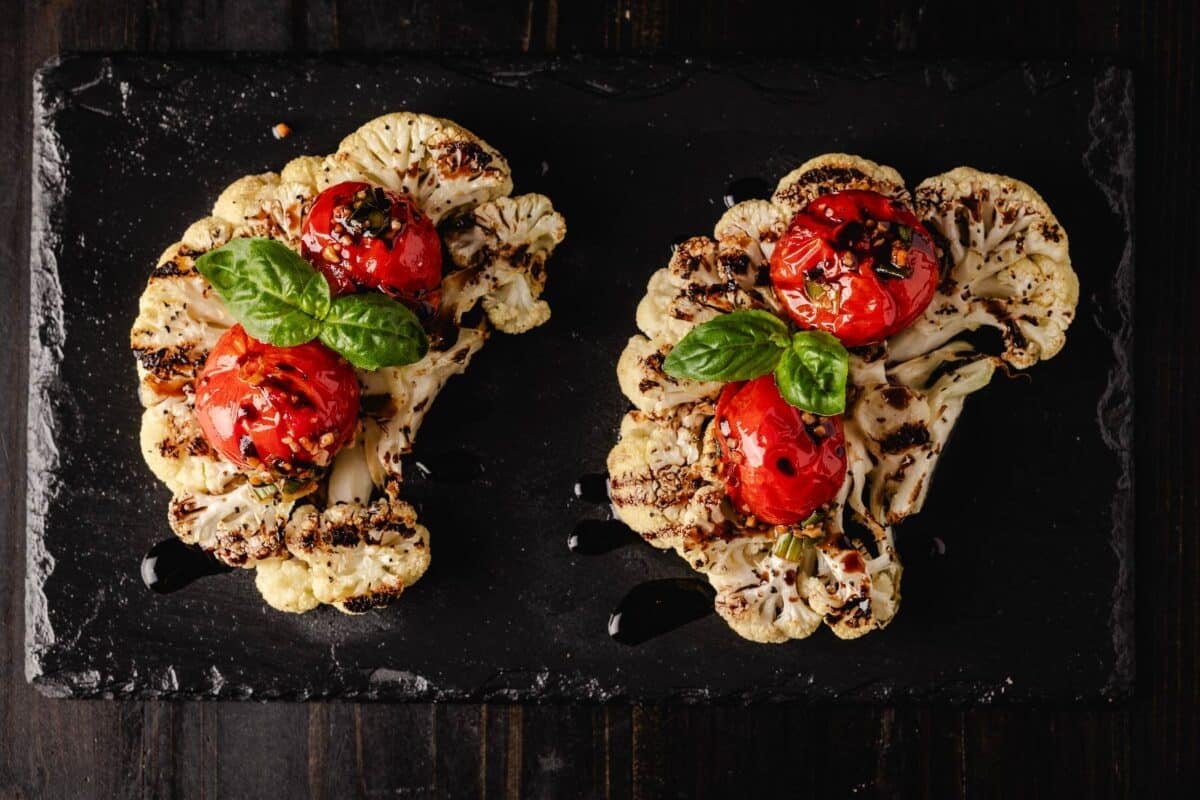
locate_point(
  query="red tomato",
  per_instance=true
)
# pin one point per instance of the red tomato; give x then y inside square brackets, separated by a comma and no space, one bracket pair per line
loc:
[362,236]
[857,265]
[277,410]
[779,463]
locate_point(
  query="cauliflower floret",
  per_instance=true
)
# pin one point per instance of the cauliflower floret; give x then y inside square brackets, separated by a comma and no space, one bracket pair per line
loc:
[514,308]
[757,593]
[1011,268]
[697,285]
[179,320]
[265,206]
[238,527]
[836,172]
[905,422]
[502,247]
[200,237]
[656,476]
[746,235]
[309,170]
[443,166]
[177,452]
[640,373]
[359,557]
[407,394]
[350,479]
[766,597]
[286,584]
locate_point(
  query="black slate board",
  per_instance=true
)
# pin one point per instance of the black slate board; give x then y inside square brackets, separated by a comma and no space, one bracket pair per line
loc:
[1032,598]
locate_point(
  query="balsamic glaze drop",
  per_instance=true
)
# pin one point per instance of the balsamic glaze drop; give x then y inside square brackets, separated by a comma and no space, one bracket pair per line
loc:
[593,488]
[456,466]
[657,607]
[746,189]
[171,565]
[594,537]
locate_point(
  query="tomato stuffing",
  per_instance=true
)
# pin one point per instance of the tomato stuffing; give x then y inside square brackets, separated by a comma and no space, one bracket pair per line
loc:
[855,264]
[279,411]
[361,236]
[779,463]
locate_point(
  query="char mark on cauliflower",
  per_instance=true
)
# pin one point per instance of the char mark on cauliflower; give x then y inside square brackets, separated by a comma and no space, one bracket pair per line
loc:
[238,527]
[836,172]
[359,557]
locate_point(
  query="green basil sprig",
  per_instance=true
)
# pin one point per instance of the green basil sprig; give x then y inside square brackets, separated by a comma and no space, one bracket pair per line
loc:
[280,299]
[366,329]
[810,367]
[811,374]
[731,347]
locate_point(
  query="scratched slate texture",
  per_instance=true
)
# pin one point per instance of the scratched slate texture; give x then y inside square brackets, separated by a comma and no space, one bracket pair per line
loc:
[1029,599]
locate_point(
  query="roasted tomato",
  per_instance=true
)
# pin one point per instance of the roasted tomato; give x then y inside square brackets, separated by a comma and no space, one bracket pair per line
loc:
[779,463]
[279,412]
[362,236]
[857,265]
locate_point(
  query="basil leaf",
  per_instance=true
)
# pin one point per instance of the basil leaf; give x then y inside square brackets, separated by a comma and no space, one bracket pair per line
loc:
[733,347]
[373,331]
[273,292]
[812,373]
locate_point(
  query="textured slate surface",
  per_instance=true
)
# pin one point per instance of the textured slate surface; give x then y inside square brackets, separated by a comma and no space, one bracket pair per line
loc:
[1031,600]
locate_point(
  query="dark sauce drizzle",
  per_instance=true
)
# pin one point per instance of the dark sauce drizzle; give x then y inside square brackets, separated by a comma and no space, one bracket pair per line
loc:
[593,488]
[652,608]
[657,607]
[746,189]
[171,565]
[594,537]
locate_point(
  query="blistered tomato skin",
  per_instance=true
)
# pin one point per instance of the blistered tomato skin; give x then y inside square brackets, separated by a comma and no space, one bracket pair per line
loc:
[780,464]
[857,265]
[363,237]
[279,411]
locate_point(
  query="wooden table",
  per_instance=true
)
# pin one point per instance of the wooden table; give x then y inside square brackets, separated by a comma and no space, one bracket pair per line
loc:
[161,749]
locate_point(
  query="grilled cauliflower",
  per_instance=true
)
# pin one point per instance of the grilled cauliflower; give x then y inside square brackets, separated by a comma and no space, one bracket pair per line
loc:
[503,249]
[656,475]
[835,172]
[177,452]
[409,392]
[351,551]
[239,527]
[357,557]
[698,284]
[1010,268]
[839,568]
[640,373]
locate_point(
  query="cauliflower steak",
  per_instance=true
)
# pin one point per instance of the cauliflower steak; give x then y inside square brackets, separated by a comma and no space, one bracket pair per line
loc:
[1004,263]
[351,541]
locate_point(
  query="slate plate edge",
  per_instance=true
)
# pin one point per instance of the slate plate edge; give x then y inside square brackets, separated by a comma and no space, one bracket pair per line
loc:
[48,191]
[46,337]
[1115,177]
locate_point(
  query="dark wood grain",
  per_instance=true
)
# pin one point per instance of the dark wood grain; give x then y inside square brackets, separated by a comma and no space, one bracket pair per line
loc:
[1149,747]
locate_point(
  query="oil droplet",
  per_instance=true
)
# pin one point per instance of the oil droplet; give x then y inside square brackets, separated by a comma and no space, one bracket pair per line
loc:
[593,488]
[593,537]
[171,565]
[657,607]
